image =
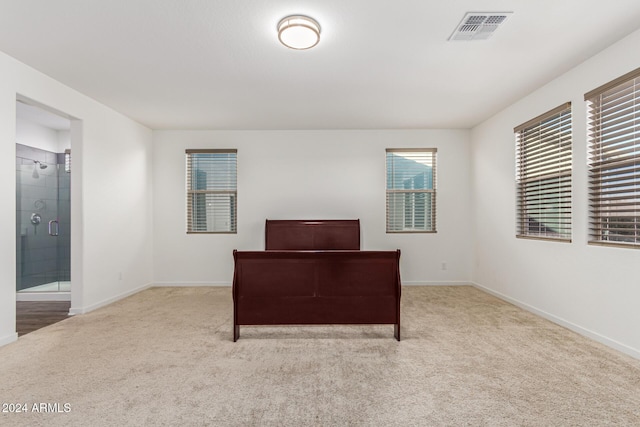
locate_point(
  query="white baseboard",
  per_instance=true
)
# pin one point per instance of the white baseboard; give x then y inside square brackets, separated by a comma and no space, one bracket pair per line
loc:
[8,339]
[440,283]
[562,322]
[43,296]
[82,310]
[404,283]
[188,284]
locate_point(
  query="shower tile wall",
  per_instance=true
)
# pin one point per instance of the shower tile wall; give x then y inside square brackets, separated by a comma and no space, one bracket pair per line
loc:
[41,258]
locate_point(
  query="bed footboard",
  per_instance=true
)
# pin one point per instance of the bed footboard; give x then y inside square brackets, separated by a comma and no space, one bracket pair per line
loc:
[316,287]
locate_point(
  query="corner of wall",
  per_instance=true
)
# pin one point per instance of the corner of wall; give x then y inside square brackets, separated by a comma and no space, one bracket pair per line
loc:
[8,339]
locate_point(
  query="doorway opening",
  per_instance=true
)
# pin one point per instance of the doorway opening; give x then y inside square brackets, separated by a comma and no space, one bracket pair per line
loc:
[43,203]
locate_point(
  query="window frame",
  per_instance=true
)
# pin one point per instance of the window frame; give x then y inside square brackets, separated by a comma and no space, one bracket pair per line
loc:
[550,168]
[190,192]
[608,131]
[415,192]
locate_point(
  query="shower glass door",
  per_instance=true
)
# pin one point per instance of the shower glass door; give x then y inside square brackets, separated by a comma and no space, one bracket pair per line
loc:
[42,221]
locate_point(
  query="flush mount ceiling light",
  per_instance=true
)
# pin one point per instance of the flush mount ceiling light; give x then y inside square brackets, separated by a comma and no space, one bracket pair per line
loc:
[298,32]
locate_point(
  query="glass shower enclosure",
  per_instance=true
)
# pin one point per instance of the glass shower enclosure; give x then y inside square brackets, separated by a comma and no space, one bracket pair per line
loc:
[43,221]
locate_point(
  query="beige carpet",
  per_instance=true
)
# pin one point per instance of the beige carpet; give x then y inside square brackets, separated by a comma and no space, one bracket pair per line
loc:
[165,357]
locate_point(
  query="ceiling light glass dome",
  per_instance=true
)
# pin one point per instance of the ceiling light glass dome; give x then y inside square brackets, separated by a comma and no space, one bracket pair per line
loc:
[298,32]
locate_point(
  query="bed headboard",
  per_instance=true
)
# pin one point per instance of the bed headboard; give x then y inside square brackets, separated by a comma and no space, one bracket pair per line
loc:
[312,235]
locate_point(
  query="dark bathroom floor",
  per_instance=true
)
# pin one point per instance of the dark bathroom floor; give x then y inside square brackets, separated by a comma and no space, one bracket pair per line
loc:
[33,315]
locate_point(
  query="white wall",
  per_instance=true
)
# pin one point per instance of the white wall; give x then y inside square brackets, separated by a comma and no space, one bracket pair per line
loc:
[111,194]
[35,135]
[594,290]
[310,175]
[64,140]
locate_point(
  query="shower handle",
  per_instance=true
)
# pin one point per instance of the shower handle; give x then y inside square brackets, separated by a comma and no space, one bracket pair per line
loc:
[57,230]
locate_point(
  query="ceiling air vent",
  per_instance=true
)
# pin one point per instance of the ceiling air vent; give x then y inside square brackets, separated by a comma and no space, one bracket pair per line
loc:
[479,25]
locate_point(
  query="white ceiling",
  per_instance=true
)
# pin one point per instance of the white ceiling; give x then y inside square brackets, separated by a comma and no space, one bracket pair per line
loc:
[217,64]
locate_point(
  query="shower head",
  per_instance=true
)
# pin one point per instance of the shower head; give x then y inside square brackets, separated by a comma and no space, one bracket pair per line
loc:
[42,165]
[37,163]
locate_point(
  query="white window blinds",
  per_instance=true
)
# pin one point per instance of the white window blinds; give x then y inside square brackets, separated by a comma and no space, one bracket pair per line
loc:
[543,175]
[211,191]
[411,190]
[614,162]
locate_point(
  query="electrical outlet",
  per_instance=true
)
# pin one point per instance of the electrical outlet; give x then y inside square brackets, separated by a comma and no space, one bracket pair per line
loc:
[443,266]
[120,275]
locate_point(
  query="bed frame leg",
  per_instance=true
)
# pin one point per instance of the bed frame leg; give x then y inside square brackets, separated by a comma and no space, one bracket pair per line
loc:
[236,332]
[396,331]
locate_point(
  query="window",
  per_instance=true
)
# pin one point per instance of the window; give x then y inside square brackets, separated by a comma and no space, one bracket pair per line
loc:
[543,175]
[614,162]
[211,191]
[67,161]
[411,190]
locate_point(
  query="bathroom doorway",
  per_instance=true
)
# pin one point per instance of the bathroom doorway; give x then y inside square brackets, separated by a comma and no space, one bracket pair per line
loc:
[43,204]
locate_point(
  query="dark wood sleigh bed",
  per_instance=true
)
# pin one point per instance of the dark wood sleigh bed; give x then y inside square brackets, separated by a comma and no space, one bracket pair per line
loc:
[314,273]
